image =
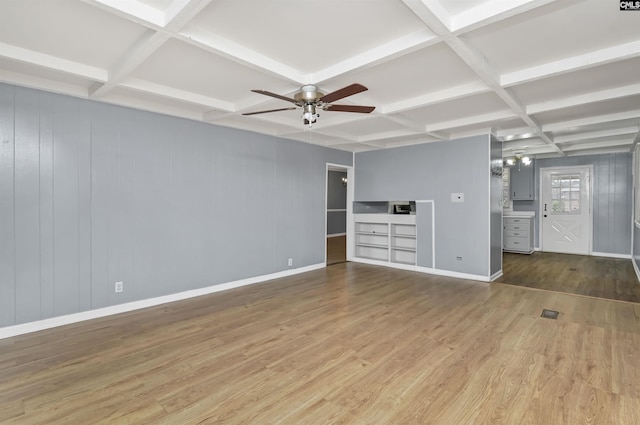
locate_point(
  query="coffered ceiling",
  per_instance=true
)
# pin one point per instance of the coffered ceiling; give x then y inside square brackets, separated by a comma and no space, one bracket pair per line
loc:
[548,77]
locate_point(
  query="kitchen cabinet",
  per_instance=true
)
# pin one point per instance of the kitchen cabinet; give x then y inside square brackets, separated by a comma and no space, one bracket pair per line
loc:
[518,233]
[522,182]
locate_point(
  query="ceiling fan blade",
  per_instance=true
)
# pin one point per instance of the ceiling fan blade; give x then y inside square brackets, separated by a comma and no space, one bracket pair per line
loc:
[350,108]
[277,96]
[270,110]
[343,92]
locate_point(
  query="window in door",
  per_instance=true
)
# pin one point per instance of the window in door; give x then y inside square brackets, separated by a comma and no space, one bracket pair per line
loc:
[565,194]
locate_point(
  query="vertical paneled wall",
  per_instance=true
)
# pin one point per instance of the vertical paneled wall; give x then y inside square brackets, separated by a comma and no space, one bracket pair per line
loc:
[91,194]
[612,200]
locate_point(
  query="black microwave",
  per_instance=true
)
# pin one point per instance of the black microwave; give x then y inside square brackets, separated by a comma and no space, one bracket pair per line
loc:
[402,209]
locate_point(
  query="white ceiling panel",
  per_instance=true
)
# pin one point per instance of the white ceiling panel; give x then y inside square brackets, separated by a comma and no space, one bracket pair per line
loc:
[180,65]
[414,76]
[307,35]
[588,81]
[558,30]
[590,110]
[467,107]
[546,75]
[68,29]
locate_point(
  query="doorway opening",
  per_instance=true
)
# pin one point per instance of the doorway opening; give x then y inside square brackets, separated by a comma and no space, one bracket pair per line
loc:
[338,209]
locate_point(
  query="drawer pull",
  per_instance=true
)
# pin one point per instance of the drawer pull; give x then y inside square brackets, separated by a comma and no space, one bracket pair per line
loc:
[516,234]
[516,227]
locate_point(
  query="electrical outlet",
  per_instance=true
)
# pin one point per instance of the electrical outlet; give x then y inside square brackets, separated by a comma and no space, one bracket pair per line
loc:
[119,286]
[290,263]
[459,258]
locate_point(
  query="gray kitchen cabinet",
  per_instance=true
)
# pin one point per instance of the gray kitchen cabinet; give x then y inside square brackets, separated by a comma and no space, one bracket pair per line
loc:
[522,182]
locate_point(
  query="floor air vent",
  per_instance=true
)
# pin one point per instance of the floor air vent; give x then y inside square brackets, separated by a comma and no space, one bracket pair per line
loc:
[549,314]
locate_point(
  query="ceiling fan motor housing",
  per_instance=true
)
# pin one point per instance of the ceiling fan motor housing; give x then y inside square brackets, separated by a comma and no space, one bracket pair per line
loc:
[308,93]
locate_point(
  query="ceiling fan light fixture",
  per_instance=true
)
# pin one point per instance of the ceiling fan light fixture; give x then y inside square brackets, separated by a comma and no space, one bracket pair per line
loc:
[309,115]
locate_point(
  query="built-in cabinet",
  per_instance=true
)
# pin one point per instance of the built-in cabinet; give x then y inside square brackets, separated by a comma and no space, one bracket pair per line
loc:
[522,182]
[518,233]
[386,237]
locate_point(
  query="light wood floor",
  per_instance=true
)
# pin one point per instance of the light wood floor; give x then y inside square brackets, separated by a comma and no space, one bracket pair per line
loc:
[600,277]
[347,344]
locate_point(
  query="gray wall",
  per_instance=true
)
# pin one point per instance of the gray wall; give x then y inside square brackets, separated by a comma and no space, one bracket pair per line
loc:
[612,206]
[91,194]
[434,171]
[336,199]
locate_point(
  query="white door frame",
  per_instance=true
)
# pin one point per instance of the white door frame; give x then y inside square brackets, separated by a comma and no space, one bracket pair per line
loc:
[349,215]
[540,203]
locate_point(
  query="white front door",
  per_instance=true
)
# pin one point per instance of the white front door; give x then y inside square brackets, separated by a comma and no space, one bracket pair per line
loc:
[565,210]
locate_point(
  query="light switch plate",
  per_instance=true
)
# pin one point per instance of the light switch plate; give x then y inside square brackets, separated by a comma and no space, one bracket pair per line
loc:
[457,197]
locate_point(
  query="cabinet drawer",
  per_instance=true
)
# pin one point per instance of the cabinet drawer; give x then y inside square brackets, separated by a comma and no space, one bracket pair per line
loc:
[517,227]
[517,233]
[514,220]
[516,243]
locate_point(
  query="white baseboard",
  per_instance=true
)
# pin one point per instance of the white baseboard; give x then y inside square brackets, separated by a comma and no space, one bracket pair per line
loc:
[611,255]
[335,235]
[449,273]
[40,325]
[427,270]
[495,276]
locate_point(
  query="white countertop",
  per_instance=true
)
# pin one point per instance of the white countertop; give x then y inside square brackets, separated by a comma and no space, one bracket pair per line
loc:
[519,214]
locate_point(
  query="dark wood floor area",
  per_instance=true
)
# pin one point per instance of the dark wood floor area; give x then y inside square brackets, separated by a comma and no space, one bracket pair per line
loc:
[336,249]
[347,344]
[600,277]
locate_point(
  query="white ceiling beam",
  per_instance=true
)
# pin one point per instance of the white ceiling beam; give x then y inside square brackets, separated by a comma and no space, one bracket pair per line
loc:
[434,8]
[467,121]
[394,134]
[133,10]
[602,144]
[242,55]
[596,134]
[391,50]
[477,63]
[596,151]
[584,99]
[181,12]
[581,122]
[177,15]
[30,57]
[176,94]
[39,83]
[433,98]
[417,127]
[572,64]
[514,133]
[140,51]
[491,12]
[482,131]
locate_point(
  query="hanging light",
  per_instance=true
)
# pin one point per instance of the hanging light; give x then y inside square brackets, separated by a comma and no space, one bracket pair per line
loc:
[518,157]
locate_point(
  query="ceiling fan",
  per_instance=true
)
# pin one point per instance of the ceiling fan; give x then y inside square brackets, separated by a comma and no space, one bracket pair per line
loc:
[311,100]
